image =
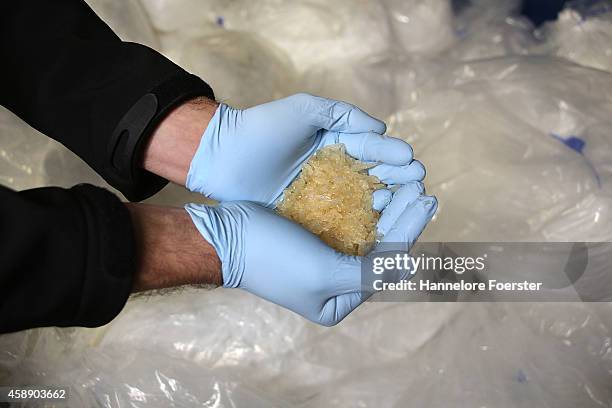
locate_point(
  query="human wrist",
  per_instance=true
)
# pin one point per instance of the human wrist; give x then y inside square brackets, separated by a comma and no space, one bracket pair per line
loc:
[223,226]
[170,250]
[201,176]
[170,149]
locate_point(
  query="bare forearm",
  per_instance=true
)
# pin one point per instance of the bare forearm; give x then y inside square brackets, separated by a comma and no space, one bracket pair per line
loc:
[171,251]
[171,147]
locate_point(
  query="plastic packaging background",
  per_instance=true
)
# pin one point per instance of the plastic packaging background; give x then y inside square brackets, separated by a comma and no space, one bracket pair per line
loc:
[582,34]
[221,55]
[515,129]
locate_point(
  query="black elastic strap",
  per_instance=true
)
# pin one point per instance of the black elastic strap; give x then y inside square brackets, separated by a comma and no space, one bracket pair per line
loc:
[125,145]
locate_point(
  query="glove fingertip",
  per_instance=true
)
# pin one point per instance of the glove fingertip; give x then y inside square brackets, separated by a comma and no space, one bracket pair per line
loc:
[381,198]
[395,151]
[411,223]
[420,171]
[360,121]
[430,203]
[379,127]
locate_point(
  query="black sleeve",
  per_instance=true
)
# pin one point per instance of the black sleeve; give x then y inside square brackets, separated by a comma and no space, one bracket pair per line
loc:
[68,75]
[66,257]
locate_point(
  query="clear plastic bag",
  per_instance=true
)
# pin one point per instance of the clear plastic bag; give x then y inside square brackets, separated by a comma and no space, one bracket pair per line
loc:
[517,144]
[370,84]
[243,69]
[582,34]
[421,26]
[180,15]
[314,32]
[22,152]
[489,28]
[127,19]
[231,349]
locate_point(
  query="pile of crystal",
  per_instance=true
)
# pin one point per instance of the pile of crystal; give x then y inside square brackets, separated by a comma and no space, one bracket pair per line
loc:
[332,198]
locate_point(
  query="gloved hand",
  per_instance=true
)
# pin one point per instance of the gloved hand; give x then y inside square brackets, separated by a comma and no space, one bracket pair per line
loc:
[254,154]
[278,260]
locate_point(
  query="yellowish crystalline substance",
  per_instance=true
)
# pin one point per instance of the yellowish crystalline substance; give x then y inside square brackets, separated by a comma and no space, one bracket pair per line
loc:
[332,198]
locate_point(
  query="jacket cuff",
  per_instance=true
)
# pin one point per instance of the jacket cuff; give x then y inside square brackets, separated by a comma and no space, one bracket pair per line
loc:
[124,150]
[110,264]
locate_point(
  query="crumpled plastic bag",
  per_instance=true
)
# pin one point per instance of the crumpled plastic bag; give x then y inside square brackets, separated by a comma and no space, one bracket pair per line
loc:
[231,349]
[517,144]
[314,32]
[581,34]
[242,69]
[127,19]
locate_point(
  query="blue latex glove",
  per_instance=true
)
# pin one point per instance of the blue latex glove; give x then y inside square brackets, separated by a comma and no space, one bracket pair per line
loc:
[278,260]
[254,154]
